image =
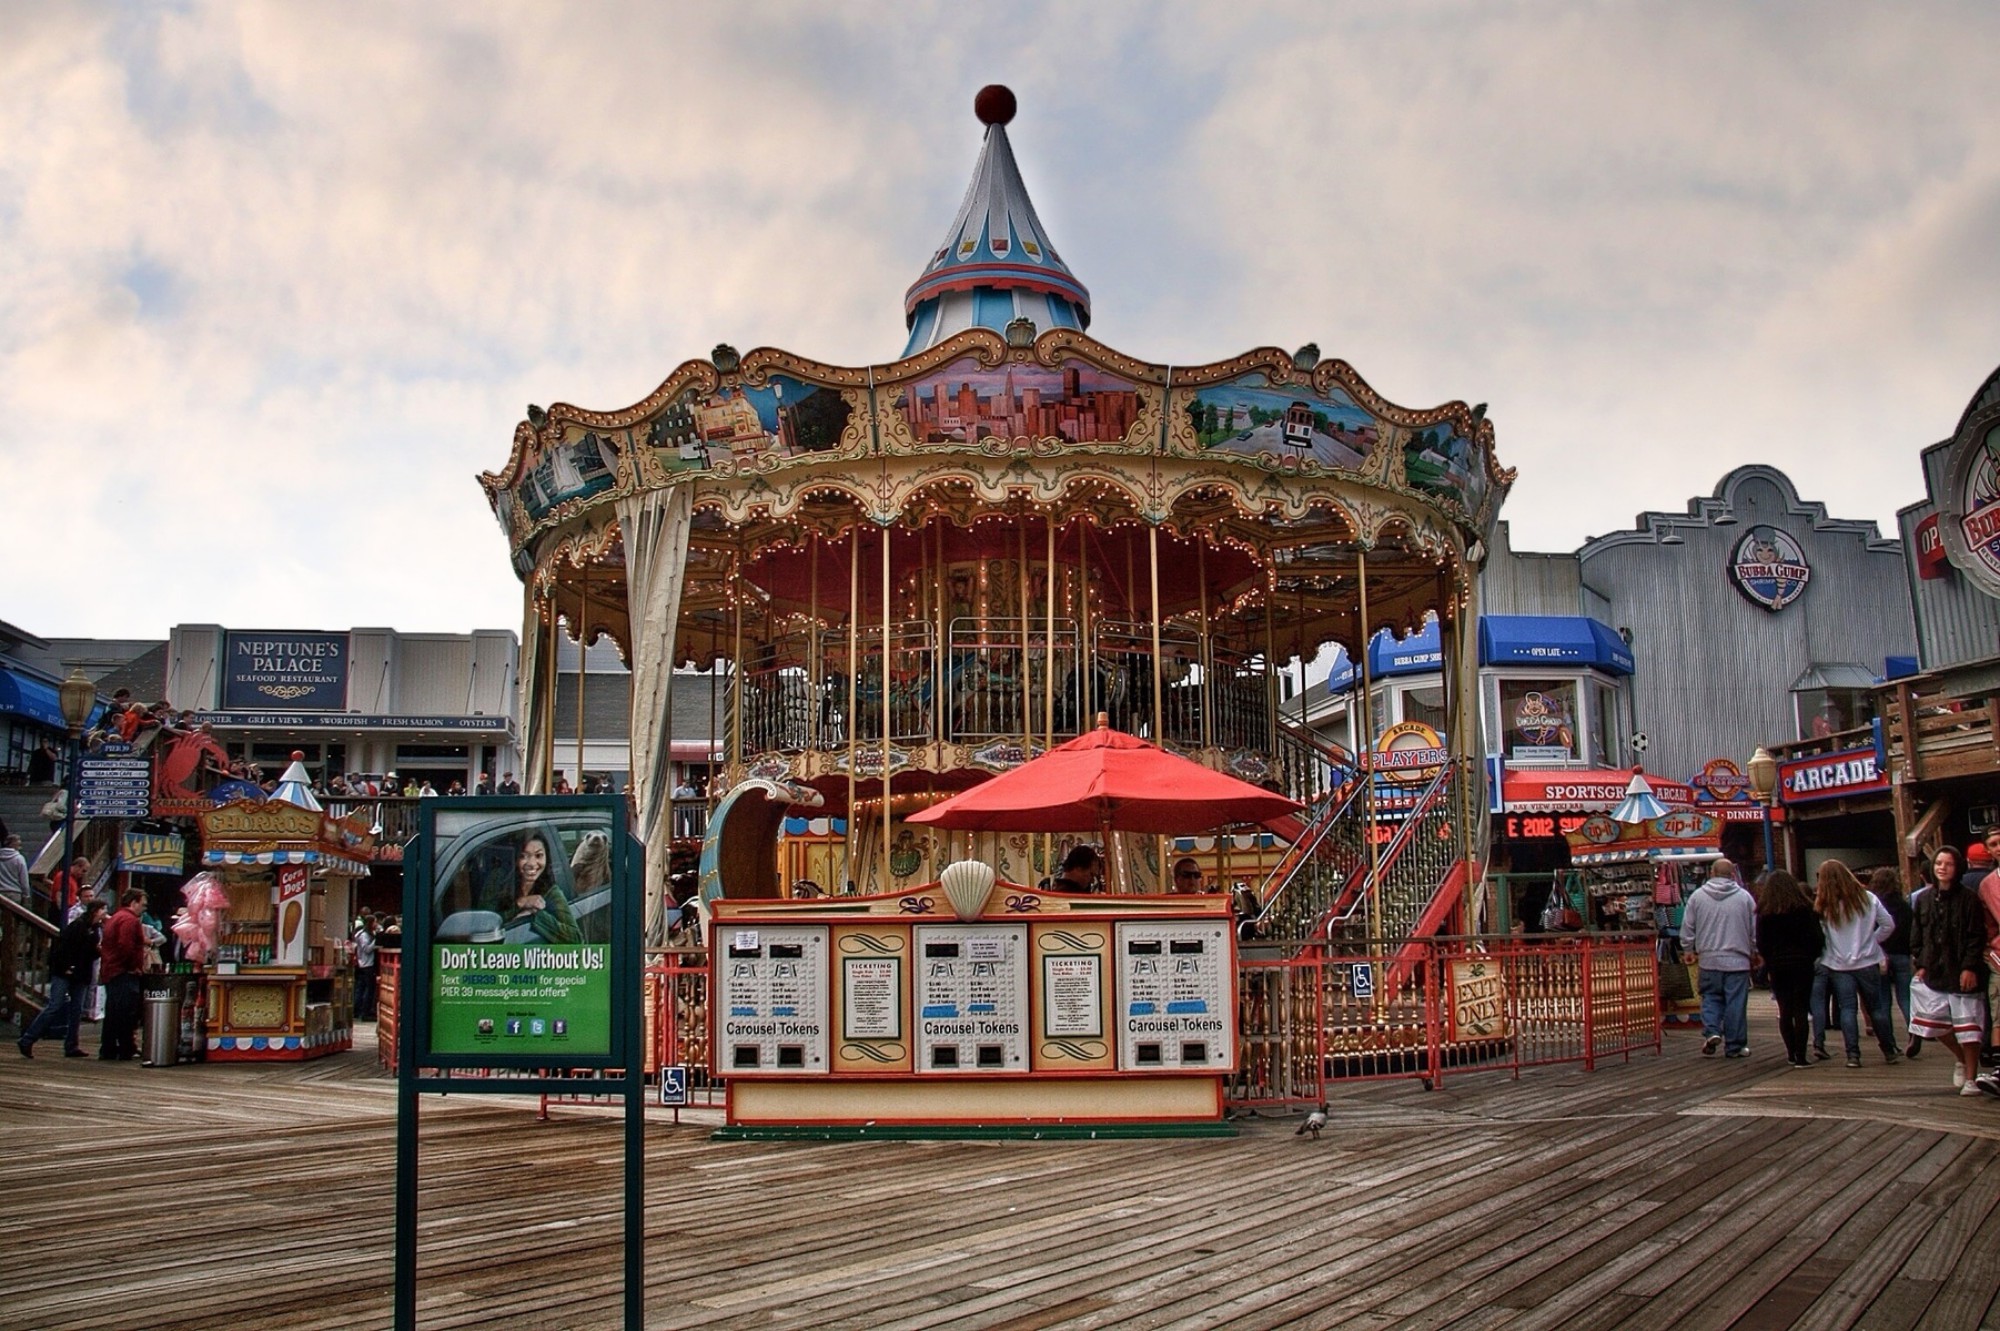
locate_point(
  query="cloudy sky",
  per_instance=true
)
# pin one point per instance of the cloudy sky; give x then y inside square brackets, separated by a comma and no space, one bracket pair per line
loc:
[277,280]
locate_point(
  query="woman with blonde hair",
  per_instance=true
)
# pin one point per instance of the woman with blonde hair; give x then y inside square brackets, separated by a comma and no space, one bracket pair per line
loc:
[1855,924]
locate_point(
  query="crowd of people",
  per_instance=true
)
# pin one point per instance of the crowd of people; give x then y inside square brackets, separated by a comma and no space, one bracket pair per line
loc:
[1847,955]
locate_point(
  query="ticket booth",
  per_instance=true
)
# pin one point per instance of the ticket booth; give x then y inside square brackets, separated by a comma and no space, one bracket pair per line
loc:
[1015,1011]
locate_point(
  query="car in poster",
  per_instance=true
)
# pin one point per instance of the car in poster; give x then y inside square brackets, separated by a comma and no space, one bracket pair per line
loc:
[474,872]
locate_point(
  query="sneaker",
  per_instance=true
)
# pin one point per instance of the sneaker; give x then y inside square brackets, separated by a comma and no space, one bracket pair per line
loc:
[1972,1088]
[1797,1063]
[1988,1084]
[1958,1075]
[1890,1057]
[1820,1054]
[1744,1052]
[1710,1045]
[1916,1046]
[1854,1060]
[26,1047]
[76,1053]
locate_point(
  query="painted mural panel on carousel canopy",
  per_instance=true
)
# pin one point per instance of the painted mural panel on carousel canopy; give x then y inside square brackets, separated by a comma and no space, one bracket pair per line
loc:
[1292,423]
[1440,461]
[581,464]
[746,426]
[1018,403]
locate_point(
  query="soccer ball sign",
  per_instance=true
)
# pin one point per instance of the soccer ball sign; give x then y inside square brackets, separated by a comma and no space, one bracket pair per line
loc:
[1640,743]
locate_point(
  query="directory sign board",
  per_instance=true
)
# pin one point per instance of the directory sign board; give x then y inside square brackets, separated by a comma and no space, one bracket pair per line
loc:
[1176,995]
[114,788]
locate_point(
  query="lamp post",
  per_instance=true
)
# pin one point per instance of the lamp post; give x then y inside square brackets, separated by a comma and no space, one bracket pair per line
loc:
[78,695]
[1764,785]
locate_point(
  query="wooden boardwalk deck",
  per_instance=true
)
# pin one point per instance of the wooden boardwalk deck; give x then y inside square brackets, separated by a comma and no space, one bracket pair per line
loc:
[1674,1191]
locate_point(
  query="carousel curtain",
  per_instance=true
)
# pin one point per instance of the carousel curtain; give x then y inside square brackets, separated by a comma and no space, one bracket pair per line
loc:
[533,683]
[655,527]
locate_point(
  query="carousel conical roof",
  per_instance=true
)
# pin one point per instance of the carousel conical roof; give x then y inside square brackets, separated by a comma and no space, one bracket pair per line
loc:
[996,263]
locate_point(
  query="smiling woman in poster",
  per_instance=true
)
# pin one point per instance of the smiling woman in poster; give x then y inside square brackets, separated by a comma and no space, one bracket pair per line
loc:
[538,900]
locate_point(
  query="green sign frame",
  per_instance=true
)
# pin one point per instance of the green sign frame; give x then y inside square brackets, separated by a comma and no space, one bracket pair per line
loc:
[524,961]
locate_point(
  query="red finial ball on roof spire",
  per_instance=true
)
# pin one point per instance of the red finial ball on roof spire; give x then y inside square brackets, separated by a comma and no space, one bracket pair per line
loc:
[298,755]
[994,105]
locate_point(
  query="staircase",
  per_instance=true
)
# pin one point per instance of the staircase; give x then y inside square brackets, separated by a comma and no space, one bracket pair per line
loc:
[1328,888]
[21,810]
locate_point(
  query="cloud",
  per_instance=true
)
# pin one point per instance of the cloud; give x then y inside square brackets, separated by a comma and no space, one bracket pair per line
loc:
[281,279]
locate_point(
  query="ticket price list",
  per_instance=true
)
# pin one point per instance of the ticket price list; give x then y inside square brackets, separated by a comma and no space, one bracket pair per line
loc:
[972,998]
[772,1001]
[1174,1000]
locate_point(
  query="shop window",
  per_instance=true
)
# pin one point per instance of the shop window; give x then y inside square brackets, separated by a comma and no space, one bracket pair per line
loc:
[1425,703]
[1823,712]
[1539,720]
[1605,730]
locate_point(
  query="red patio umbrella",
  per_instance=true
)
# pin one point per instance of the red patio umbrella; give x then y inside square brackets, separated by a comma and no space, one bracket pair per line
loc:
[1109,780]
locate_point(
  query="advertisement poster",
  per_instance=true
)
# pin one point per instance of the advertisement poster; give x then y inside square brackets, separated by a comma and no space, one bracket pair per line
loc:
[520,930]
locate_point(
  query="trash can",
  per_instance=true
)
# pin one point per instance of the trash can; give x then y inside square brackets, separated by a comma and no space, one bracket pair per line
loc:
[160,1034]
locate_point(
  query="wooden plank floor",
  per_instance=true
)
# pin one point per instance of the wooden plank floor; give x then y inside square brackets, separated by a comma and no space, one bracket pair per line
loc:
[1675,1191]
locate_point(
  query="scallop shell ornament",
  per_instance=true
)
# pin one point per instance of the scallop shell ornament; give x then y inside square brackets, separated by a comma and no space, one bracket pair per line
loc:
[967,883]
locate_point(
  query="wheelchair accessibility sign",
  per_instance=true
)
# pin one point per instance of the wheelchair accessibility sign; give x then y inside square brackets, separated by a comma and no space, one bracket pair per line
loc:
[674,1086]
[1361,979]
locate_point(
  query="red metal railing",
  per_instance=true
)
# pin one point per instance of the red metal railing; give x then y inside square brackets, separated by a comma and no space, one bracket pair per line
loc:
[1437,1007]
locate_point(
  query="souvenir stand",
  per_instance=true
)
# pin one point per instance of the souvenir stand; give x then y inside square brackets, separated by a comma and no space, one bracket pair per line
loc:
[281,983]
[1635,877]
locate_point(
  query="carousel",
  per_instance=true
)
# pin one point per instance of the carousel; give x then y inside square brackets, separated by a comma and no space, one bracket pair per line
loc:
[915,576]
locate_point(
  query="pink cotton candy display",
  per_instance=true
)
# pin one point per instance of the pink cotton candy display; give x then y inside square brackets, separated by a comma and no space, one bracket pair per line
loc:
[198,923]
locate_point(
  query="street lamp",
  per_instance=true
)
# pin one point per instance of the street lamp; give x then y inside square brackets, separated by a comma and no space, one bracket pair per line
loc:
[78,696]
[1764,785]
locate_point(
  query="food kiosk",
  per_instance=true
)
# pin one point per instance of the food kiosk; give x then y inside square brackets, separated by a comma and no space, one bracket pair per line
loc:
[281,983]
[1636,876]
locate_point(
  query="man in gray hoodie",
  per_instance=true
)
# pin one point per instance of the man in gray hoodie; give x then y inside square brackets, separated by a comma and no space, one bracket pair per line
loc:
[1718,933]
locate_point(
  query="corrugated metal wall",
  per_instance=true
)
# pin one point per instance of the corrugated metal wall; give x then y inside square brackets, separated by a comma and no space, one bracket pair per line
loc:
[1714,668]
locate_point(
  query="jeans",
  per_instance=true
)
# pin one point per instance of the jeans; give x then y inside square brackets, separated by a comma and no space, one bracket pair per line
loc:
[1791,985]
[365,978]
[1897,981]
[62,1013]
[1868,984]
[1821,1005]
[1725,1007]
[121,1018]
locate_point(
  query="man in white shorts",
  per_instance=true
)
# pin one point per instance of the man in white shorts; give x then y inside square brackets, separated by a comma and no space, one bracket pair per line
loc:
[1948,954]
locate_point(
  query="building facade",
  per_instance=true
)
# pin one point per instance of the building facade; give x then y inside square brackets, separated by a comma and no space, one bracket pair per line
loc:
[437,707]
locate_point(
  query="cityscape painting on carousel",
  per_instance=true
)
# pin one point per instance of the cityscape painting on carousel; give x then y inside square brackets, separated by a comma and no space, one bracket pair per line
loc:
[966,403]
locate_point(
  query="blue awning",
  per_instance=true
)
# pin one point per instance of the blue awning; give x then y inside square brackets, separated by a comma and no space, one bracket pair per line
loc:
[1422,653]
[22,694]
[1566,640]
